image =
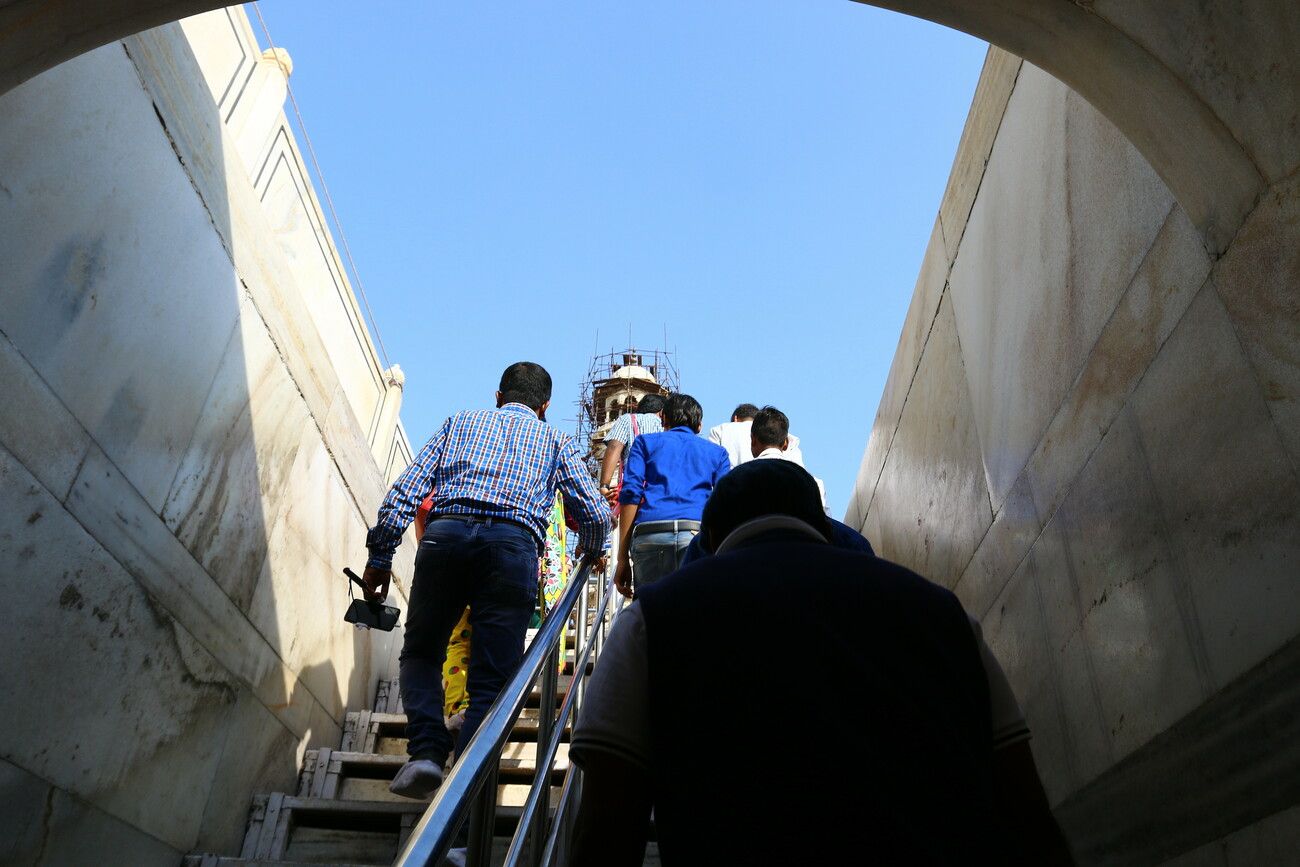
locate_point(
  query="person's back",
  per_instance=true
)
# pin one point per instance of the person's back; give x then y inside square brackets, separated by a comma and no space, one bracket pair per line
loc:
[667,481]
[889,754]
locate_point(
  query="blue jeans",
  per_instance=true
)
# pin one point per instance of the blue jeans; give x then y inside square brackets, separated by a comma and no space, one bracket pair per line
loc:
[657,555]
[491,566]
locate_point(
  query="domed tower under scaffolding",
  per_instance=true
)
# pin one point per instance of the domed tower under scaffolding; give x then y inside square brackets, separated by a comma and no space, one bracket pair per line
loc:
[615,382]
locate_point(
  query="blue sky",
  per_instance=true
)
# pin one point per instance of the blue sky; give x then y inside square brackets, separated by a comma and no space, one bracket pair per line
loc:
[757,178]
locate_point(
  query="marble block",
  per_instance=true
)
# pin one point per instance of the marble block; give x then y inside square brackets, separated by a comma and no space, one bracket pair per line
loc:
[996,82]
[1227,491]
[1257,280]
[916,330]
[43,824]
[1240,60]
[234,475]
[1136,618]
[115,261]
[1065,214]
[44,437]
[1171,273]
[932,503]
[127,700]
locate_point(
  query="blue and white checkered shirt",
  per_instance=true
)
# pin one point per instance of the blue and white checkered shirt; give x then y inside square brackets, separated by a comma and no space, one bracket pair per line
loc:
[493,463]
[621,430]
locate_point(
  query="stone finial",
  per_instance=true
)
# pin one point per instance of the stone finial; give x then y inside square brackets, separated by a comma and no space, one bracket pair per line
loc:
[281,58]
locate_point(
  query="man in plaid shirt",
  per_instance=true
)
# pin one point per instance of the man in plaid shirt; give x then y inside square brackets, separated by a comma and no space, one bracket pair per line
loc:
[496,473]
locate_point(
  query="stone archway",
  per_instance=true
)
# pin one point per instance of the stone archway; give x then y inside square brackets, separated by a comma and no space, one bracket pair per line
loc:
[1185,90]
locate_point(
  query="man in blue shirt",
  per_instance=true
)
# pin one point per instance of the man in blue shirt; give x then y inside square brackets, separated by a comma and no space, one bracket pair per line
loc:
[666,481]
[643,420]
[494,474]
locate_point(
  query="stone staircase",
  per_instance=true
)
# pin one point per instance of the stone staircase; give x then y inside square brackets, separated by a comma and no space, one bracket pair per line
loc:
[342,812]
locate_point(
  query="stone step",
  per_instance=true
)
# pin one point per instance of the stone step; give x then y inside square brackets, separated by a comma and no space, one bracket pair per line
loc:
[291,829]
[370,732]
[228,861]
[365,776]
[499,847]
[321,830]
[388,697]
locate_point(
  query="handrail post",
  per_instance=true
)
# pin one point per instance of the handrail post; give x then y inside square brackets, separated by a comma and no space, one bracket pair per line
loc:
[482,822]
[545,728]
[469,791]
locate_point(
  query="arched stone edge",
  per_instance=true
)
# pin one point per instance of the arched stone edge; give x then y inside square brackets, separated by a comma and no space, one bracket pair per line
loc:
[1208,170]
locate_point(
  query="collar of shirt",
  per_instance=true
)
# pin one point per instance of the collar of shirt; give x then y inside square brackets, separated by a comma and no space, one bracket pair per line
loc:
[754,529]
[683,429]
[521,408]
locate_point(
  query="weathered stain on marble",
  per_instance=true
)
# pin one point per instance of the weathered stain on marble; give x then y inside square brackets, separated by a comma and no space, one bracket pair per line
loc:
[1239,59]
[916,330]
[1066,211]
[44,437]
[141,283]
[234,476]
[1172,271]
[301,593]
[1148,663]
[1014,529]
[1087,750]
[1228,494]
[996,82]
[931,499]
[1258,280]
[161,713]
[43,824]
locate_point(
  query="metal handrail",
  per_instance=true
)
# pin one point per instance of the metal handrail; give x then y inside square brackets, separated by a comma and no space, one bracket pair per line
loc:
[541,787]
[475,770]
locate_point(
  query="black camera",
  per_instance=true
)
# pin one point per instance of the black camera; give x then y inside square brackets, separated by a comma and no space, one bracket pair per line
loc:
[370,613]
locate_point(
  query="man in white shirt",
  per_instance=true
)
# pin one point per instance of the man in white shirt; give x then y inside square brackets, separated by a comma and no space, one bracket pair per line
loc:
[734,437]
[769,437]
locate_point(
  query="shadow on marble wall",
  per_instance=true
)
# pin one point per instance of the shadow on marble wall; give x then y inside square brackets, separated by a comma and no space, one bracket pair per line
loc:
[1089,435]
[174,523]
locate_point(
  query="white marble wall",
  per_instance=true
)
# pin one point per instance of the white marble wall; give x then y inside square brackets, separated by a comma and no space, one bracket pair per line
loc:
[1090,432]
[187,456]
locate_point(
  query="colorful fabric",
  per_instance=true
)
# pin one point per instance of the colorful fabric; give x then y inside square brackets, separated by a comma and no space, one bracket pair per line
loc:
[555,564]
[496,463]
[455,669]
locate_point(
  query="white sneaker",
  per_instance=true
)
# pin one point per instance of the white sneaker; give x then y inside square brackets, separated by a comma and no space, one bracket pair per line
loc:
[418,779]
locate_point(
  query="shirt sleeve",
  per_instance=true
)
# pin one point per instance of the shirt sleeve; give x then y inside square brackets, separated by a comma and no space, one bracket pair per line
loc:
[1009,726]
[581,499]
[615,715]
[634,473]
[621,431]
[399,506]
[715,434]
[722,467]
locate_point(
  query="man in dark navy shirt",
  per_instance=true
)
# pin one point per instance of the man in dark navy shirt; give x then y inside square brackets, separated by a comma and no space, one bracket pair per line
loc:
[910,747]
[667,479]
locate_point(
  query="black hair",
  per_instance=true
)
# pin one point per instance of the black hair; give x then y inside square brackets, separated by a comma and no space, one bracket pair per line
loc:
[759,488]
[650,403]
[771,428]
[744,411]
[525,382]
[682,409]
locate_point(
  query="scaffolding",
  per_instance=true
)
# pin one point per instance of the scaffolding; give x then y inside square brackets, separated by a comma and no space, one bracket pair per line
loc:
[603,382]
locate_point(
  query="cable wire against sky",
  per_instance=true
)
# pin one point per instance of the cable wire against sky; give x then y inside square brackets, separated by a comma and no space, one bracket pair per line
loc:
[329,200]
